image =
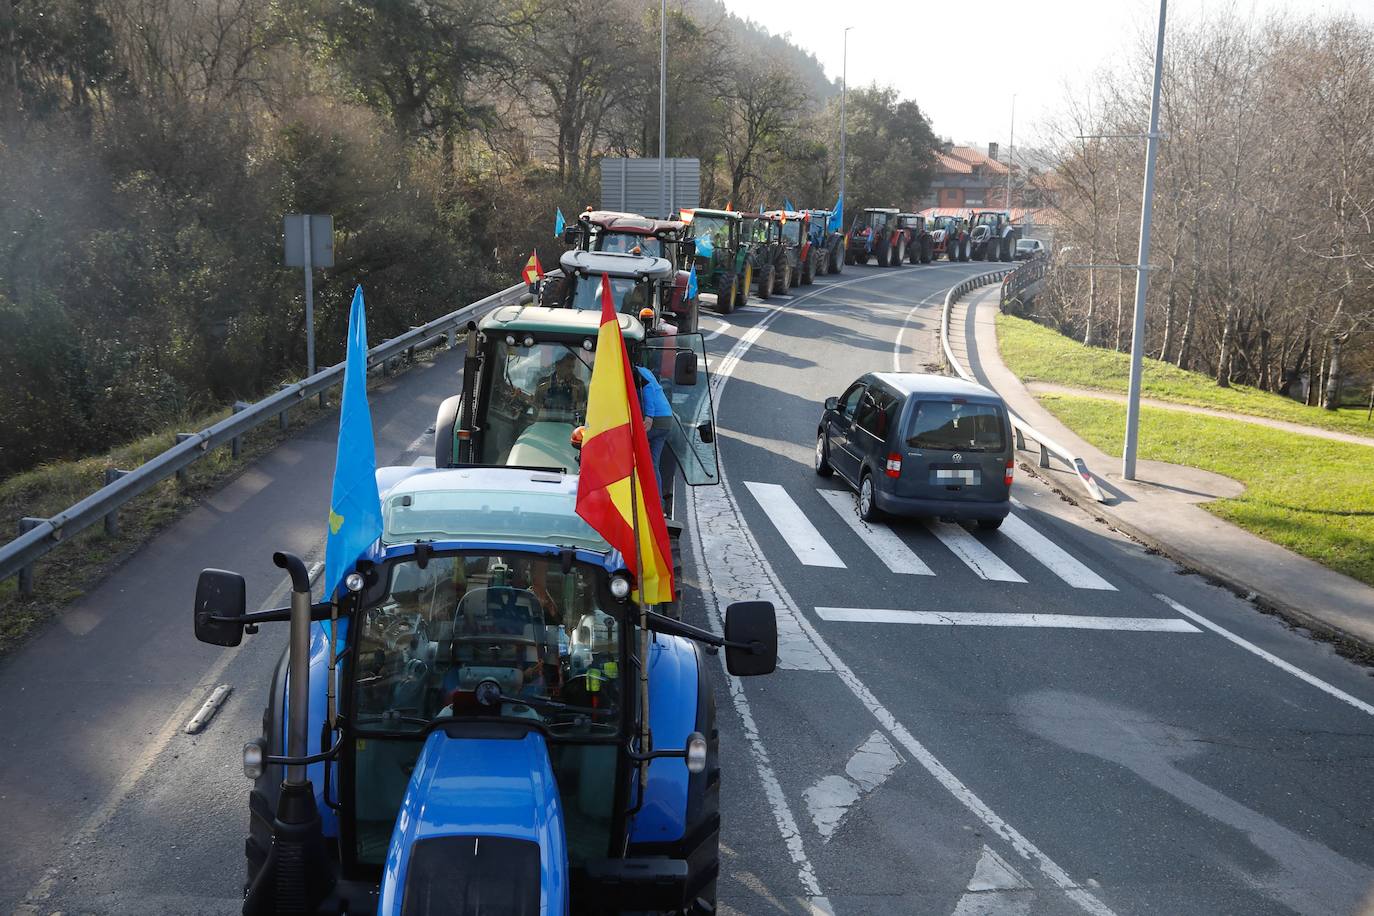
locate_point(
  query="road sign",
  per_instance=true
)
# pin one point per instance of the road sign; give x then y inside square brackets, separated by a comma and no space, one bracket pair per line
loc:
[309,244]
[633,185]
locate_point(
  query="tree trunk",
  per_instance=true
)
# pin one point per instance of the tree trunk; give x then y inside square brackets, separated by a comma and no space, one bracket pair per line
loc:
[1227,342]
[1332,398]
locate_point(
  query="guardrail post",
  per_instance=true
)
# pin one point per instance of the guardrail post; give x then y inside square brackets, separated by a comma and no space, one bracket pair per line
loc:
[112,517]
[235,445]
[283,418]
[25,577]
[1044,456]
[452,335]
[1020,439]
[181,472]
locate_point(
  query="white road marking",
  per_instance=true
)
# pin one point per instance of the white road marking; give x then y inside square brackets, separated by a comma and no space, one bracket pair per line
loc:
[901,332]
[830,799]
[979,619]
[1053,556]
[996,889]
[1269,657]
[724,326]
[719,510]
[796,529]
[976,557]
[881,539]
[208,709]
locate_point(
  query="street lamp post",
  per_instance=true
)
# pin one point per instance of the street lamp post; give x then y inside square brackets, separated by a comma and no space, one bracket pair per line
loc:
[663,107]
[1142,261]
[844,92]
[1011,150]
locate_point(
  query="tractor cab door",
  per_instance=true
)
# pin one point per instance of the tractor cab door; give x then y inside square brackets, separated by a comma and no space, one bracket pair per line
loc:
[679,363]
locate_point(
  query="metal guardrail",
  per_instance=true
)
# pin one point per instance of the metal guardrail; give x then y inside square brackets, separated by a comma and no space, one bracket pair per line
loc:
[1021,428]
[1022,278]
[38,536]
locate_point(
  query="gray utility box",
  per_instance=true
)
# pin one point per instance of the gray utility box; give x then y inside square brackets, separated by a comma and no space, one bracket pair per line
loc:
[632,186]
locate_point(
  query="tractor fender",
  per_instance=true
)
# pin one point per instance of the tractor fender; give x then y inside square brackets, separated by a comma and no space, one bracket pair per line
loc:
[482,809]
[444,425]
[675,702]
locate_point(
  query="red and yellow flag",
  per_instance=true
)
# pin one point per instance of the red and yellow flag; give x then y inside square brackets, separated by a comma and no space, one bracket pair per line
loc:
[532,273]
[615,449]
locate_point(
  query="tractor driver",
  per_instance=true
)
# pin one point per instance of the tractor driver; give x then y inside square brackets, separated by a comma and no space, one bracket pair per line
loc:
[562,392]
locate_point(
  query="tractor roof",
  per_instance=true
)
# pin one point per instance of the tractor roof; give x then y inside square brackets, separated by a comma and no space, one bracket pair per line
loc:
[539,320]
[487,505]
[880,209]
[632,223]
[615,264]
[727,214]
[789,214]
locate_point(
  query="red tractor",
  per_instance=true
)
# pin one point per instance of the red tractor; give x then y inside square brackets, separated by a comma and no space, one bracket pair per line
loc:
[877,234]
[949,237]
[629,233]
[920,247]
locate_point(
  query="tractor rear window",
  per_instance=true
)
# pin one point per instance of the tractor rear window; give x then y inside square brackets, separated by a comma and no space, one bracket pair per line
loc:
[957,426]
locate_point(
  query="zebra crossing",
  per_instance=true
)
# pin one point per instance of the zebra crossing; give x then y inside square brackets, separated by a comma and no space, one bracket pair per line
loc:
[811,547]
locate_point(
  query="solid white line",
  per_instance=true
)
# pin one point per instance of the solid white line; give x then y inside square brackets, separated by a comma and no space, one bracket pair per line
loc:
[976,556]
[965,796]
[1053,556]
[901,332]
[881,539]
[796,529]
[977,619]
[718,331]
[1269,657]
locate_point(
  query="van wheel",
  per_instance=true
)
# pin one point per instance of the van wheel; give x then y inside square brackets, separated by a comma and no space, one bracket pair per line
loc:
[868,505]
[989,524]
[823,467]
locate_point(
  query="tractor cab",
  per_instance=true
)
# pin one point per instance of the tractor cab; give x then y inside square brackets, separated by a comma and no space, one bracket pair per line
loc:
[720,254]
[525,385]
[623,233]
[992,237]
[482,712]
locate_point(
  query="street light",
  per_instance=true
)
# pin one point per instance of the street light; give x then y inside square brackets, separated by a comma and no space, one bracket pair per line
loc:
[1011,151]
[662,106]
[844,91]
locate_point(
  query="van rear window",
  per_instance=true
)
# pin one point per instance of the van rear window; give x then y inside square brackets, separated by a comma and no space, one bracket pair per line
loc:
[954,426]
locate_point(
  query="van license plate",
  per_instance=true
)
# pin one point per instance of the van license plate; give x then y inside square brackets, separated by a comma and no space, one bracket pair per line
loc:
[946,476]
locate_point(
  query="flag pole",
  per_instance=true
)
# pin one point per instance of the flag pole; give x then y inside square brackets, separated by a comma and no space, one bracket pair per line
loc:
[645,738]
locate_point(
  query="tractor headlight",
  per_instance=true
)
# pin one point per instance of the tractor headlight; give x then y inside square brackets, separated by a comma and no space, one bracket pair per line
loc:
[620,587]
[510,340]
[696,752]
[253,754]
[587,344]
[529,340]
[354,582]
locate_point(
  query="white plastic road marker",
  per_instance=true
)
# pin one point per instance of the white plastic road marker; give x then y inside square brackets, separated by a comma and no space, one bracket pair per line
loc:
[1052,555]
[881,539]
[796,529]
[725,511]
[989,619]
[830,799]
[985,563]
[1269,657]
[996,889]
[208,709]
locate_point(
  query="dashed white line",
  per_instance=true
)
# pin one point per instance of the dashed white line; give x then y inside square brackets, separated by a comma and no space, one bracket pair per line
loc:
[1054,557]
[796,529]
[977,557]
[1269,657]
[990,619]
[881,539]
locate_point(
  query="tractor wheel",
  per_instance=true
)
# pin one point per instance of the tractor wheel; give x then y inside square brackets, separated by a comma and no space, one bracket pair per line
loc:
[848,257]
[745,287]
[808,269]
[882,252]
[901,255]
[837,260]
[262,799]
[785,280]
[766,275]
[927,251]
[725,294]
[968,251]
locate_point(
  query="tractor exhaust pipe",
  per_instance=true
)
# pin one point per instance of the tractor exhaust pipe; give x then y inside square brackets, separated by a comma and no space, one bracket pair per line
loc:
[296,876]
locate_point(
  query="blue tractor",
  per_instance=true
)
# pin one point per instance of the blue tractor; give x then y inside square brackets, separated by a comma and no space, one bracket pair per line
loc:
[481,719]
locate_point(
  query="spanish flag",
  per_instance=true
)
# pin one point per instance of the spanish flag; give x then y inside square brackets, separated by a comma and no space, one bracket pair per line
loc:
[532,273]
[615,449]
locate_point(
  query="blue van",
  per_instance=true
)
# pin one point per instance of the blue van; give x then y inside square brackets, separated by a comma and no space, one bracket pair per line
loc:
[920,445]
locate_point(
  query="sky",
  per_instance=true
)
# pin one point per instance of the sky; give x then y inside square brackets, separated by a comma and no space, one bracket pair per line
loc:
[962,61]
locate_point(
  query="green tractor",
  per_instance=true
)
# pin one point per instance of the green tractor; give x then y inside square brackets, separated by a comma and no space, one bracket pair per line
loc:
[723,256]
[770,253]
[805,260]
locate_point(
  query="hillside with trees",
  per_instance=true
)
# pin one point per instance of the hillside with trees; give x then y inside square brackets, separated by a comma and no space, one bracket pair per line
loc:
[150,149]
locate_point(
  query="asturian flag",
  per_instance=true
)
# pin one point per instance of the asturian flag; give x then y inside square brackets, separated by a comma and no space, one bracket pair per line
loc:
[615,450]
[691,284]
[355,508]
[558,223]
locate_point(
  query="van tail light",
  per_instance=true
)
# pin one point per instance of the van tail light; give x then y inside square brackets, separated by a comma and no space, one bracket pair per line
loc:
[894,465]
[1011,466]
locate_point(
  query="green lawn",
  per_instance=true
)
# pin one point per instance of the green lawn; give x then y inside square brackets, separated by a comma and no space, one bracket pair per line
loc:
[1038,354]
[1313,496]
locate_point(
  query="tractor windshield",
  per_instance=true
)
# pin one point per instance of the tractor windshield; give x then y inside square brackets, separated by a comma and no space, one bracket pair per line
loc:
[626,242]
[630,295]
[791,231]
[536,396]
[871,220]
[987,219]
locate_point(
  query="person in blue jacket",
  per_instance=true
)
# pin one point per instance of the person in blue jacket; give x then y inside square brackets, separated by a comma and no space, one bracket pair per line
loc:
[658,416]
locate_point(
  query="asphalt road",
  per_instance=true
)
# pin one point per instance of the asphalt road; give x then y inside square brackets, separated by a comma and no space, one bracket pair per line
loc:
[1139,761]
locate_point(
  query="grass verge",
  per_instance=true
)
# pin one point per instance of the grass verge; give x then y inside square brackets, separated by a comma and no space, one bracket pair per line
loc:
[1039,354]
[1313,496]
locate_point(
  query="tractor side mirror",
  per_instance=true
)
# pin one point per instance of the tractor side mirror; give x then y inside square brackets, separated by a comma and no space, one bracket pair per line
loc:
[685,368]
[832,403]
[220,594]
[570,234]
[753,628]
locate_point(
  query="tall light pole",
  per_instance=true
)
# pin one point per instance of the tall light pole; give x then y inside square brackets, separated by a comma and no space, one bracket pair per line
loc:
[1011,150]
[1142,261]
[663,107]
[844,92]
